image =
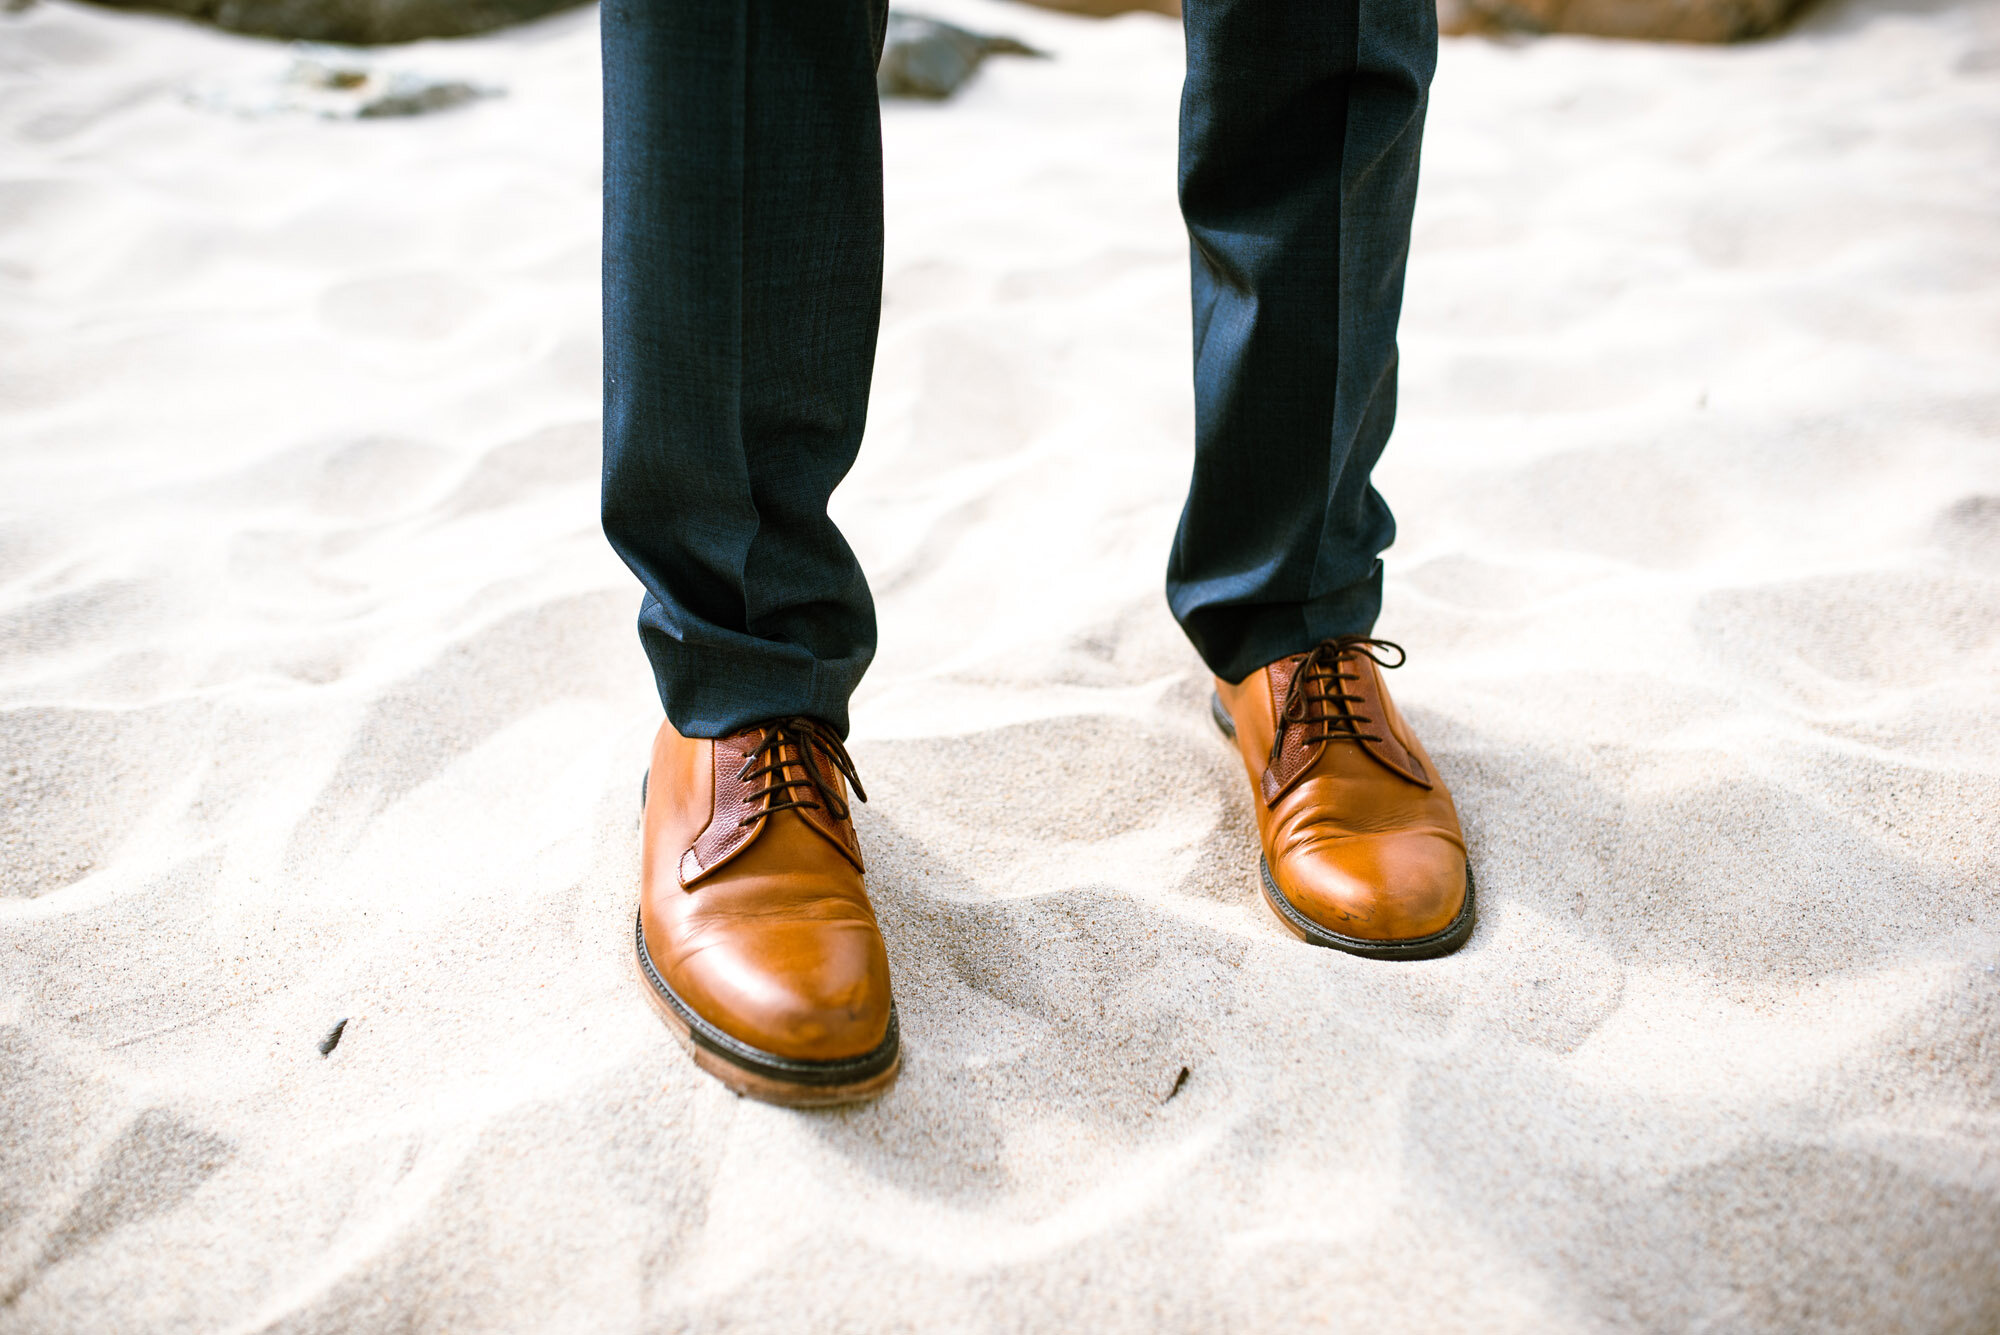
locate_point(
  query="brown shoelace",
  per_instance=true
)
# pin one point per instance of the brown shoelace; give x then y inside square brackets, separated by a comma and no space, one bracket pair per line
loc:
[804,735]
[1318,682]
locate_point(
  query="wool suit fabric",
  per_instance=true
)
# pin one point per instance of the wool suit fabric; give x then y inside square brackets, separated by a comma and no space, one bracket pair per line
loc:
[742,297]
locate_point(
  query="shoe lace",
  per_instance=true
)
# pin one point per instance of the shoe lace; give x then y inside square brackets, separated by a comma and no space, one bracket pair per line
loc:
[1318,682]
[769,767]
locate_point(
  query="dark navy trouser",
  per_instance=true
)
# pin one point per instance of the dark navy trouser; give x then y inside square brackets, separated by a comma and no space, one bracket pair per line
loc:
[742,295]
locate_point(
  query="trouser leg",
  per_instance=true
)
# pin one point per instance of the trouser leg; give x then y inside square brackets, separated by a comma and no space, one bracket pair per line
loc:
[1300,127]
[742,294]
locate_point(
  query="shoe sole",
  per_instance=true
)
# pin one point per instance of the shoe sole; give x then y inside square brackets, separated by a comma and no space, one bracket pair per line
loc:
[1454,935]
[766,1076]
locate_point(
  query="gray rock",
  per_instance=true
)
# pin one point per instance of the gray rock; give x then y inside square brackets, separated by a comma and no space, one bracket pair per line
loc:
[356,22]
[337,84]
[1650,20]
[1104,9]
[926,58]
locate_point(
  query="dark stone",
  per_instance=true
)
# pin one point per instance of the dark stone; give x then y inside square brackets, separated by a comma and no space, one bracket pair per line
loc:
[1645,20]
[354,22]
[1104,9]
[926,58]
[337,83]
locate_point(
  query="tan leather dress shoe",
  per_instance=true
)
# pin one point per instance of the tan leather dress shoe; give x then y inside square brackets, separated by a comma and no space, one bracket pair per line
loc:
[1362,850]
[756,941]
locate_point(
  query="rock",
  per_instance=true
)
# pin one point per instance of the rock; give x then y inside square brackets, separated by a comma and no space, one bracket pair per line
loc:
[355,22]
[1104,9]
[1654,20]
[923,57]
[336,84]
[1651,20]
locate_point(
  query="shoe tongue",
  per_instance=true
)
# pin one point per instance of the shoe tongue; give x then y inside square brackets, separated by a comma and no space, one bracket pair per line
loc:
[733,819]
[1284,676]
[802,760]
[1295,755]
[1322,681]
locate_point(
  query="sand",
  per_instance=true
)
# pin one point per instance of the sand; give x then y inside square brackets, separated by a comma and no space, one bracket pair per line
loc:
[320,699]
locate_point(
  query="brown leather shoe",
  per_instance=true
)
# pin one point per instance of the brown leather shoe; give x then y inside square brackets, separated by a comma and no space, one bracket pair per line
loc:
[1362,850]
[756,940]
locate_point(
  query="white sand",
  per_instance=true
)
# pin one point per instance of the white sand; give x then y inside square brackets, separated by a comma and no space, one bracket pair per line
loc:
[321,699]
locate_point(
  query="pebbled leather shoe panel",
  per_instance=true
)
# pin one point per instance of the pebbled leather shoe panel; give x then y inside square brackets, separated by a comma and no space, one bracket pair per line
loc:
[725,834]
[680,801]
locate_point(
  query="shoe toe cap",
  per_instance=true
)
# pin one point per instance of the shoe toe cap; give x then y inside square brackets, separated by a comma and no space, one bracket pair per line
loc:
[814,992]
[1387,887]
